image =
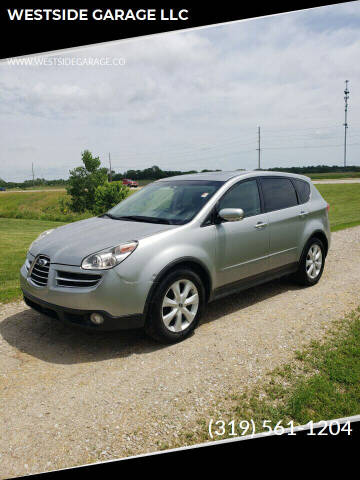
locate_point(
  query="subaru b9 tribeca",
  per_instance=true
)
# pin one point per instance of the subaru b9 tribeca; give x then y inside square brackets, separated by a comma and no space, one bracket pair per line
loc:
[158,257]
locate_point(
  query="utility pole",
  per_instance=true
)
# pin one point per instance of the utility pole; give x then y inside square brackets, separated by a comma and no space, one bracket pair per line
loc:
[346,98]
[32,169]
[110,172]
[259,148]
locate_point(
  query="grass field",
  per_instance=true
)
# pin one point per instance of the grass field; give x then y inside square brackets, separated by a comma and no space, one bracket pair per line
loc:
[344,203]
[15,238]
[38,187]
[332,176]
[25,215]
[144,182]
[35,206]
[38,206]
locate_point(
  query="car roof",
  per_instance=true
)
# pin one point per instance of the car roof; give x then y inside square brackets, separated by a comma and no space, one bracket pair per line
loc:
[225,176]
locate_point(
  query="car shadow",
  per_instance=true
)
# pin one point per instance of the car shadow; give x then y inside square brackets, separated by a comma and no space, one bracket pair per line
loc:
[52,341]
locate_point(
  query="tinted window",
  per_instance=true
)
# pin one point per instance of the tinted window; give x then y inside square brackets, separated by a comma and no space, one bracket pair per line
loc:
[303,190]
[278,193]
[244,195]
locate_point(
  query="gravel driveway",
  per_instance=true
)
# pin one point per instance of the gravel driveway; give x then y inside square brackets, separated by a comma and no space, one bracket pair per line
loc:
[69,397]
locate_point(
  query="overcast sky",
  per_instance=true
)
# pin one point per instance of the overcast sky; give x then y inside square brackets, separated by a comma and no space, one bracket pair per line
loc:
[192,100]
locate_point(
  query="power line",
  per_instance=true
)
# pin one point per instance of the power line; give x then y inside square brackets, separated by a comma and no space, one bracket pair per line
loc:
[174,150]
[307,146]
[187,157]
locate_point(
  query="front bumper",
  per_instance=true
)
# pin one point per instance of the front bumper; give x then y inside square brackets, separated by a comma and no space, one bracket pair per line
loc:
[118,300]
[81,318]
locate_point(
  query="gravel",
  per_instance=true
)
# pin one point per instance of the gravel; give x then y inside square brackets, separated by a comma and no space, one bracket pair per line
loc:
[70,397]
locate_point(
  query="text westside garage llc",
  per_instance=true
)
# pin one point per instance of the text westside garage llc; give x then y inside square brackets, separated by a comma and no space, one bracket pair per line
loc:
[98,14]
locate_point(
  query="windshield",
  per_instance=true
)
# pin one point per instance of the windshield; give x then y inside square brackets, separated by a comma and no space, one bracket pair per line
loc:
[173,202]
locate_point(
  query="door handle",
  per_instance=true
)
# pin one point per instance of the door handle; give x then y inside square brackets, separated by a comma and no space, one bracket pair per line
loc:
[303,214]
[260,225]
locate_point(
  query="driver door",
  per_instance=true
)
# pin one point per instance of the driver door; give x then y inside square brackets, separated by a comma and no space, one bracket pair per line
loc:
[242,247]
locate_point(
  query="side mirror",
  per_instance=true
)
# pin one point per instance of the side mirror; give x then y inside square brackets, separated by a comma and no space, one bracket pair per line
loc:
[231,214]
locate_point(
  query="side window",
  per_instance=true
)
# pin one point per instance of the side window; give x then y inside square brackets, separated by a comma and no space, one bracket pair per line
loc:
[278,193]
[244,195]
[303,190]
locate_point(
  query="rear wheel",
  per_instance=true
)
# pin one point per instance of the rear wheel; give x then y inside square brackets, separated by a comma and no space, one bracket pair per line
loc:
[176,307]
[312,263]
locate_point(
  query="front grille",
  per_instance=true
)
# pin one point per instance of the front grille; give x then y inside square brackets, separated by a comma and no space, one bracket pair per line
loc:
[71,279]
[40,270]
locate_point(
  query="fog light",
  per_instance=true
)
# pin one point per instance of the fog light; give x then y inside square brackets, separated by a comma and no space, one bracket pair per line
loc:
[96,318]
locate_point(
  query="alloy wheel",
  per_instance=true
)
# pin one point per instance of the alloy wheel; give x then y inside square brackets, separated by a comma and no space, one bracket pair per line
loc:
[314,260]
[180,305]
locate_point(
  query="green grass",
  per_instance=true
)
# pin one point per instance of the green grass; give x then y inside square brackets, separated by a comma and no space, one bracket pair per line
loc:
[344,203]
[144,182]
[37,187]
[15,238]
[332,176]
[36,206]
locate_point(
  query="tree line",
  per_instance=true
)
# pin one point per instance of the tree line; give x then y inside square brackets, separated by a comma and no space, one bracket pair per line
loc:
[155,173]
[37,182]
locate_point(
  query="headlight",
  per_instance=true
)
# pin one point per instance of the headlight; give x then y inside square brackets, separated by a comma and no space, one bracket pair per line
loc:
[108,258]
[42,235]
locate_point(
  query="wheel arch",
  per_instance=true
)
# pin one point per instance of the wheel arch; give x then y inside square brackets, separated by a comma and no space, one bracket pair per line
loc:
[186,262]
[320,235]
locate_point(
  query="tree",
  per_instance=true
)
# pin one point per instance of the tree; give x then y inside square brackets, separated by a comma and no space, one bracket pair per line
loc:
[83,182]
[109,195]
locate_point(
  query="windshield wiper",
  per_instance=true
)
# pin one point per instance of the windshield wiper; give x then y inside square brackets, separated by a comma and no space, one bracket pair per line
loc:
[108,215]
[141,218]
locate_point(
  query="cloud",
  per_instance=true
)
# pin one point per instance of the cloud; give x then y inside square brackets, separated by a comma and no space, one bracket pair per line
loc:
[193,99]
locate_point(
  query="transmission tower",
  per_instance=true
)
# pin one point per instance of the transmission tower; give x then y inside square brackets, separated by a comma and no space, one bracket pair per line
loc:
[346,98]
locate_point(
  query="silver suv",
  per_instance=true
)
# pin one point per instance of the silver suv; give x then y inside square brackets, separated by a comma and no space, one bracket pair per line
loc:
[158,257]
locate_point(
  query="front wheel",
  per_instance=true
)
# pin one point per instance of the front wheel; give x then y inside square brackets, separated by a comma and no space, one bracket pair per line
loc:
[176,307]
[312,263]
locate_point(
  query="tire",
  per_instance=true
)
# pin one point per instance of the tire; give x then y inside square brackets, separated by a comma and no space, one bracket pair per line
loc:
[310,270]
[170,319]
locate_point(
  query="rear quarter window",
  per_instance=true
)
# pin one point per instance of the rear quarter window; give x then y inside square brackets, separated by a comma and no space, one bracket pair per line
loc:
[303,190]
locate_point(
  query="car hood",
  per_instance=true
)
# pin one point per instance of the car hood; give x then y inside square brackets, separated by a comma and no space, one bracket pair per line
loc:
[71,243]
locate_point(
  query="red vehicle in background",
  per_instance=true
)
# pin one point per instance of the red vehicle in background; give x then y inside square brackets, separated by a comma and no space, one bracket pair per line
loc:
[130,183]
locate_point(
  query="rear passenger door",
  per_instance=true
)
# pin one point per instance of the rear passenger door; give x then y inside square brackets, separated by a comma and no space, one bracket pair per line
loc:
[281,206]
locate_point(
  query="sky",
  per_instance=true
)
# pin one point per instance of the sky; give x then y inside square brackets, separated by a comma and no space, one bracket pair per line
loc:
[191,99]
